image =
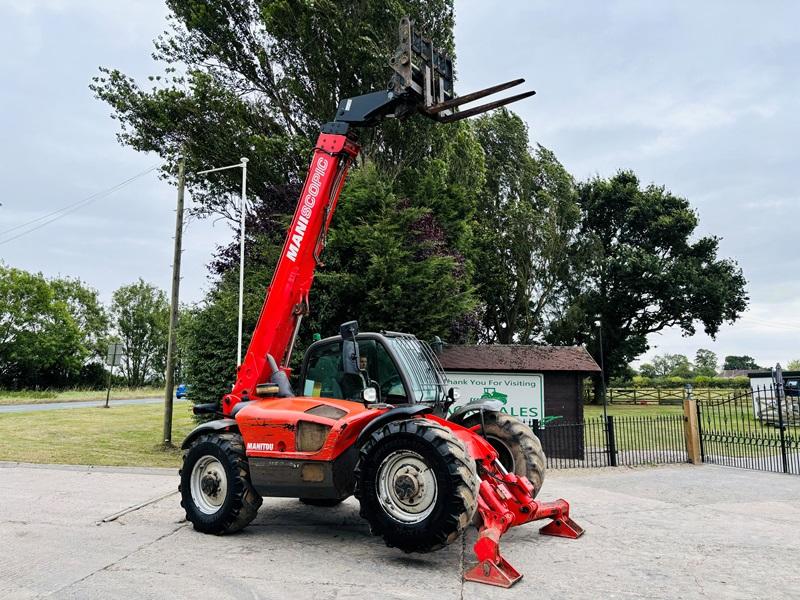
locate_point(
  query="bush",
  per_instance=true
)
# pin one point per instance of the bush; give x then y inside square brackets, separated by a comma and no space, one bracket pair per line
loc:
[702,381]
[93,376]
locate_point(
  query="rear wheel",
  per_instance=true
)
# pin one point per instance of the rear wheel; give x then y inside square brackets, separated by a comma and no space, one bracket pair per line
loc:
[216,492]
[417,485]
[519,450]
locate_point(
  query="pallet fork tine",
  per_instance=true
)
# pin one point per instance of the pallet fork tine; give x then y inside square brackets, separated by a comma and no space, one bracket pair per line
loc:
[471,112]
[459,100]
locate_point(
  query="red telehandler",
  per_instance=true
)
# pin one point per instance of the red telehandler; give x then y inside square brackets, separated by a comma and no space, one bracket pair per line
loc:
[373,419]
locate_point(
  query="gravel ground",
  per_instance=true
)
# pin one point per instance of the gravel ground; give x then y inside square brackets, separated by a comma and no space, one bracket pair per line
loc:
[662,532]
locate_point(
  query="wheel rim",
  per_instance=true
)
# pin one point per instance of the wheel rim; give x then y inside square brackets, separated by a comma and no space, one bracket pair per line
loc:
[209,484]
[504,453]
[407,488]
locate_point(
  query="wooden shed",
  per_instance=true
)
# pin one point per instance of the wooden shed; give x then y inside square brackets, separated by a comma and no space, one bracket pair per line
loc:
[537,382]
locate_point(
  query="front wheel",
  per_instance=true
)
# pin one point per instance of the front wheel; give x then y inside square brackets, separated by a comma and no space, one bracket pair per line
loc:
[417,485]
[215,488]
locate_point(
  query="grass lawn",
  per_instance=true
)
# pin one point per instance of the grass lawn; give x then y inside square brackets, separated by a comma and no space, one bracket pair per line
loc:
[730,429]
[45,396]
[632,410]
[118,436]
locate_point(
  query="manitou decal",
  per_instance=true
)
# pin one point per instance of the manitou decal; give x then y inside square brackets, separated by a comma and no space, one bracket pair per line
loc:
[260,446]
[309,200]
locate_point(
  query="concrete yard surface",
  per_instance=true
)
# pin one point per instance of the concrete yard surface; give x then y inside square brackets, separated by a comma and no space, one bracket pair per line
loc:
[662,532]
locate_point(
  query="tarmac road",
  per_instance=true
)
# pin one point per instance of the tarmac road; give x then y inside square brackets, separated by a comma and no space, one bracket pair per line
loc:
[664,532]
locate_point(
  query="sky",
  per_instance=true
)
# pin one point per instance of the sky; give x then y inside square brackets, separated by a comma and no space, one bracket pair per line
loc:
[699,97]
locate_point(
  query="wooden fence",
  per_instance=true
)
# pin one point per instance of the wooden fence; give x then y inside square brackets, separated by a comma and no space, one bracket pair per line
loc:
[662,395]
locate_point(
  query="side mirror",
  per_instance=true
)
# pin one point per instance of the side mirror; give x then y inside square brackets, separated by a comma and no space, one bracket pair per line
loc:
[350,357]
[348,330]
[369,395]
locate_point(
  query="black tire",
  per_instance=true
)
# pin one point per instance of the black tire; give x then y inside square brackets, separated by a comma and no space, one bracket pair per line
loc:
[520,450]
[451,466]
[322,502]
[240,503]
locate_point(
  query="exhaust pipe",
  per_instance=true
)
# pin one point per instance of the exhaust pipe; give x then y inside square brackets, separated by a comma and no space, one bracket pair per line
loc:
[280,379]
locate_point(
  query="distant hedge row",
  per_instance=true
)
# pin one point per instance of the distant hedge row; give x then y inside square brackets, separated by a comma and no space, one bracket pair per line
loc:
[700,381]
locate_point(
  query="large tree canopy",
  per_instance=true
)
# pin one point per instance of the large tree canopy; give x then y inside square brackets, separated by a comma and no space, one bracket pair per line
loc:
[646,273]
[256,79]
[525,243]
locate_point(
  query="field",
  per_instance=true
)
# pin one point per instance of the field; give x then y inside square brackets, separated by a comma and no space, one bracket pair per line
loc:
[118,436]
[728,427]
[45,396]
[632,410]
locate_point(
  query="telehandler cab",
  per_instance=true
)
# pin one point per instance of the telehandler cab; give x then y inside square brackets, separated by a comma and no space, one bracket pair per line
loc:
[373,418]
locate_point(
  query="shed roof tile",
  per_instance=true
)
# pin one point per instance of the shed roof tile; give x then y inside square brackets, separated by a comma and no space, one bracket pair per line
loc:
[502,357]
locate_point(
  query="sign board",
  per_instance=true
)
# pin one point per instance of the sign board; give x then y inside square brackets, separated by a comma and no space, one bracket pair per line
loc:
[114,355]
[522,394]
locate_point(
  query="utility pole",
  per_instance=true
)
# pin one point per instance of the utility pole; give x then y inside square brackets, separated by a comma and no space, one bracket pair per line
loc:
[174,306]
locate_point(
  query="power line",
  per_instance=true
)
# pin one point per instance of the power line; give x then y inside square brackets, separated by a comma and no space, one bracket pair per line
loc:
[55,215]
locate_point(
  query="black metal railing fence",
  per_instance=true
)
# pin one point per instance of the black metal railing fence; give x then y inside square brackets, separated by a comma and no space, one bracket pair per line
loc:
[754,429]
[614,441]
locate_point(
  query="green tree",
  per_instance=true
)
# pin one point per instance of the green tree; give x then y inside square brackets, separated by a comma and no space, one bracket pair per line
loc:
[705,363]
[89,314]
[257,79]
[49,330]
[525,241]
[743,362]
[793,365]
[648,370]
[208,341]
[390,271]
[393,271]
[140,316]
[647,272]
[668,365]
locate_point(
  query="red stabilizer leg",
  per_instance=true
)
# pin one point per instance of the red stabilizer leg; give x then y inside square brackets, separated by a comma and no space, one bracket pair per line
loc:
[504,501]
[492,568]
[494,572]
[563,527]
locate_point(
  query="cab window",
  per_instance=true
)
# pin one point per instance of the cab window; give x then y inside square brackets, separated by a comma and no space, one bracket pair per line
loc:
[325,376]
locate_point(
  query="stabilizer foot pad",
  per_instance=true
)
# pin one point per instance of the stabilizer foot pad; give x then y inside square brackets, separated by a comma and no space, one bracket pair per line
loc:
[562,527]
[498,573]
